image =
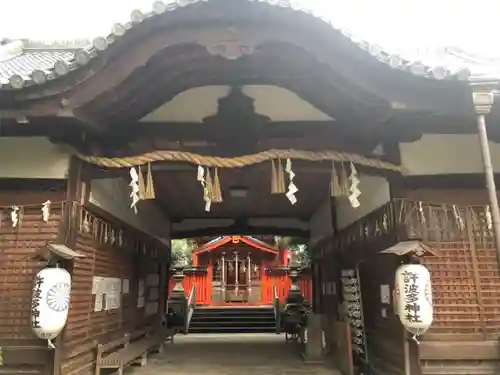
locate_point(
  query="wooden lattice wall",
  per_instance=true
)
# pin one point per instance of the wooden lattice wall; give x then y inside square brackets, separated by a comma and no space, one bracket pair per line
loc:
[21,349]
[84,325]
[105,258]
[465,275]
[466,280]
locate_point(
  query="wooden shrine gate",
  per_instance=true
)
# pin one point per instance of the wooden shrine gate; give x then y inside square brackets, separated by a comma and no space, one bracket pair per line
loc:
[202,277]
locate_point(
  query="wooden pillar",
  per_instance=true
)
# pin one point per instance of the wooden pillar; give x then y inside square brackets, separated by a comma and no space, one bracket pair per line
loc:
[195,260]
[77,190]
[208,293]
[163,286]
[263,283]
[284,258]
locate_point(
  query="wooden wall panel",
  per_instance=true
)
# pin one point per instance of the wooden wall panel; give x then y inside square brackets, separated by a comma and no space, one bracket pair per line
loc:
[85,326]
[466,283]
[384,332]
[330,281]
[22,350]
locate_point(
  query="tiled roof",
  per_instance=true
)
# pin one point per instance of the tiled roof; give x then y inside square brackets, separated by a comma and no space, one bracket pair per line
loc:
[36,68]
[29,61]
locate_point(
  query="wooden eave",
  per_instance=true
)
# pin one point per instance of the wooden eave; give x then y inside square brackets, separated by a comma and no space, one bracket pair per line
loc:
[212,245]
[109,74]
[259,245]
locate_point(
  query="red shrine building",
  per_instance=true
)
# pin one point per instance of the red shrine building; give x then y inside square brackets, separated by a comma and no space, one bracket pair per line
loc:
[241,270]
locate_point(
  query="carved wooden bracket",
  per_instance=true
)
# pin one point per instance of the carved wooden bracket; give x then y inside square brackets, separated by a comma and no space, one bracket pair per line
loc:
[230,50]
[229,44]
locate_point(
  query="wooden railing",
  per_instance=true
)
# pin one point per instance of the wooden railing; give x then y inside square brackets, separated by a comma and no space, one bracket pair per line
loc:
[190,307]
[443,222]
[377,224]
[403,219]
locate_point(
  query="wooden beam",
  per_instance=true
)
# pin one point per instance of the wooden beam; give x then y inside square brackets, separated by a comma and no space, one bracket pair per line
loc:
[60,127]
[184,131]
[239,230]
[90,122]
[400,127]
[9,108]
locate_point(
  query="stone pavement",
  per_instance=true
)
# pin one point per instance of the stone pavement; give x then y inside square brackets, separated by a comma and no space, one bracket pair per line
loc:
[238,354]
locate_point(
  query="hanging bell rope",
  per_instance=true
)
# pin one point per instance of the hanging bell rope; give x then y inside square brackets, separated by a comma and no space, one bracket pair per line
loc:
[238,162]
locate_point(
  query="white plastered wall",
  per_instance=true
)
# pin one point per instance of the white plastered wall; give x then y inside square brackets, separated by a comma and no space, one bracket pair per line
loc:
[112,195]
[33,157]
[436,154]
[374,194]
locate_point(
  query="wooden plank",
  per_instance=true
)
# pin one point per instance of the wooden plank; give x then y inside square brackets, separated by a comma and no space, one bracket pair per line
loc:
[479,350]
[25,355]
[480,369]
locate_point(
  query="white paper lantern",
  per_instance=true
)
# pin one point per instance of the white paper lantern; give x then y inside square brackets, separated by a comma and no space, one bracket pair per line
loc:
[50,302]
[413,298]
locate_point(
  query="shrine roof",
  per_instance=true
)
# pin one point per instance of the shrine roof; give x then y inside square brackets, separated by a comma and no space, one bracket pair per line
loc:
[248,240]
[22,67]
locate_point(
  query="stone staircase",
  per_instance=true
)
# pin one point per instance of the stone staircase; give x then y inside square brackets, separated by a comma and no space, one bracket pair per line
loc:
[231,319]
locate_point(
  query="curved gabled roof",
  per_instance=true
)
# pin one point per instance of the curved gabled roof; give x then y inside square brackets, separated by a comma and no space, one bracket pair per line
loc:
[42,68]
[248,240]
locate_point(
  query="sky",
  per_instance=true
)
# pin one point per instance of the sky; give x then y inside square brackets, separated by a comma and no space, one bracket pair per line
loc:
[393,24]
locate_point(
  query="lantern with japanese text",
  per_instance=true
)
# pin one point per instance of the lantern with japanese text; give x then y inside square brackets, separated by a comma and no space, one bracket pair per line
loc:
[50,302]
[413,298]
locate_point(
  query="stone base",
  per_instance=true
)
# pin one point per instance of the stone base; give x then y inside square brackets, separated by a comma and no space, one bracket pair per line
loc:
[313,350]
[310,360]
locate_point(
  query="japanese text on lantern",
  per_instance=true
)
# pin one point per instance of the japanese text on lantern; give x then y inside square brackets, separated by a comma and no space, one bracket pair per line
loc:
[411,306]
[35,304]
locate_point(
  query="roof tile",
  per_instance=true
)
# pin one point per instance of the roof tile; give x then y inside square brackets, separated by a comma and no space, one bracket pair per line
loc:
[19,69]
[29,61]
